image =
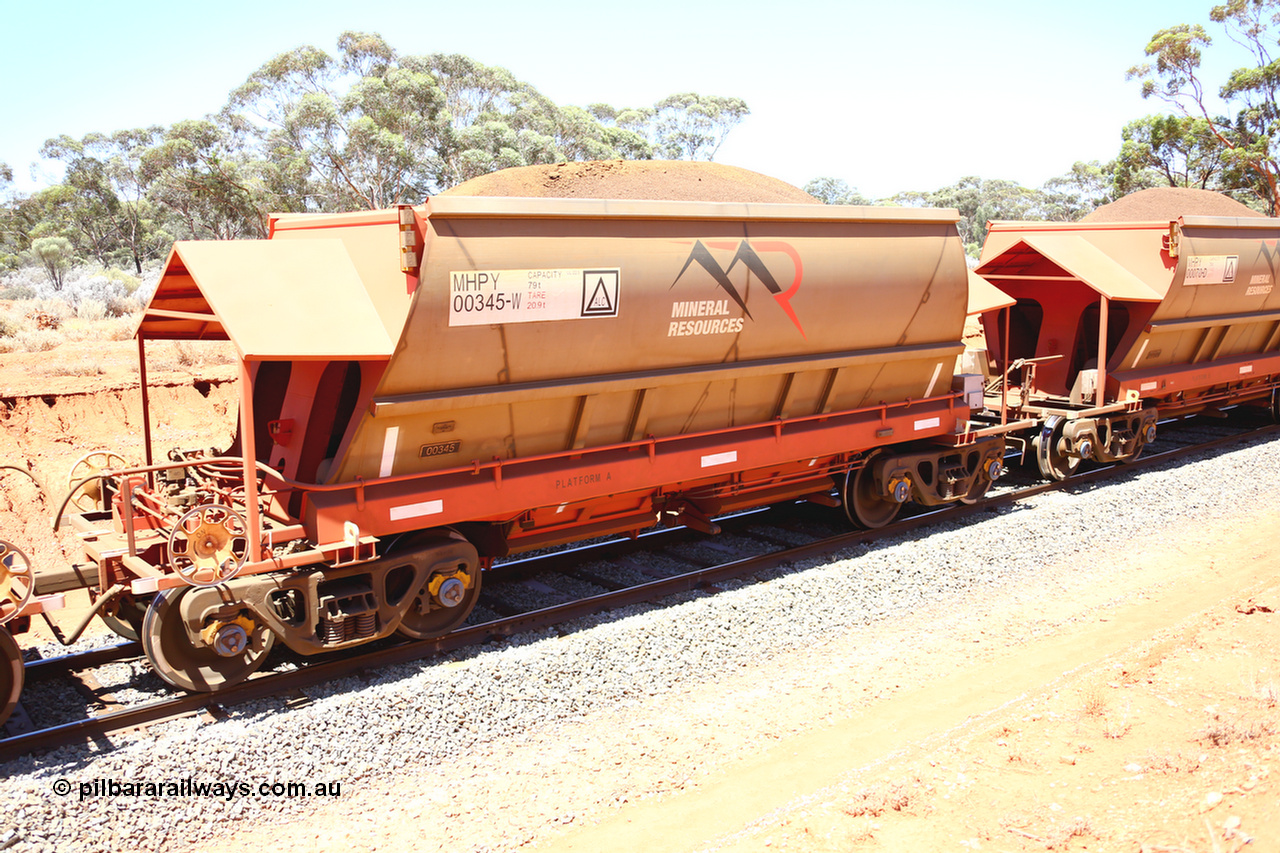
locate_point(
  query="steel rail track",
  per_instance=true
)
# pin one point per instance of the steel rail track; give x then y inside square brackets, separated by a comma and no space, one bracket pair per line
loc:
[323,669]
[43,669]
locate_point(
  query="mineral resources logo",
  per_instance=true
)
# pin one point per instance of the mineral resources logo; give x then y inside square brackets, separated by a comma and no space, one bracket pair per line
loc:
[718,310]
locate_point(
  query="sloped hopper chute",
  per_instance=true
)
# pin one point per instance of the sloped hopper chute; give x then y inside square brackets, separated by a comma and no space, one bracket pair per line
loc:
[985,296]
[272,299]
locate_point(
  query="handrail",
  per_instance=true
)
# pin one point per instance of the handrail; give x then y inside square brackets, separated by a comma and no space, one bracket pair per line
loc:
[476,466]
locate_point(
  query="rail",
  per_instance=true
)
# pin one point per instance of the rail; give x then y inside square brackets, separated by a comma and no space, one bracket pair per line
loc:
[323,671]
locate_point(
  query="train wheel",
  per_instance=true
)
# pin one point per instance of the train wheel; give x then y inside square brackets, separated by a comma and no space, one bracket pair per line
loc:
[1052,462]
[89,498]
[11,674]
[235,652]
[1275,405]
[863,505]
[444,602]
[17,582]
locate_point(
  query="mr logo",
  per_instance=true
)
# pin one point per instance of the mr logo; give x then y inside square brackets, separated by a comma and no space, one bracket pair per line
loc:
[747,255]
[600,293]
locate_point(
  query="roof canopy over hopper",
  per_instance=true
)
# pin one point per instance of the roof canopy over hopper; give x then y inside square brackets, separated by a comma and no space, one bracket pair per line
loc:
[1116,270]
[273,299]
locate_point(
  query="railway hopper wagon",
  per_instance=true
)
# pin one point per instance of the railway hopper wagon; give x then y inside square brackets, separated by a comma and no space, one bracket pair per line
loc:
[1114,325]
[426,389]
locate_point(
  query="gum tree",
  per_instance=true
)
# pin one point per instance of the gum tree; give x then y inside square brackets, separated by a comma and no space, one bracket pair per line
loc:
[368,128]
[830,190]
[8,220]
[211,189]
[103,197]
[55,256]
[1247,135]
[1168,150]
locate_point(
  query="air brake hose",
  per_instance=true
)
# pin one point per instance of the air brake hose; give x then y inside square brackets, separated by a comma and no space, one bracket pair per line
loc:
[110,595]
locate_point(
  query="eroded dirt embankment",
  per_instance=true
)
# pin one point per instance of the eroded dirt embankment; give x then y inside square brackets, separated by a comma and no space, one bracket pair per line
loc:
[45,434]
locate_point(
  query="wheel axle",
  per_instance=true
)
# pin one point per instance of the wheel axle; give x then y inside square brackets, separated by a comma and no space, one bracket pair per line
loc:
[225,653]
[228,639]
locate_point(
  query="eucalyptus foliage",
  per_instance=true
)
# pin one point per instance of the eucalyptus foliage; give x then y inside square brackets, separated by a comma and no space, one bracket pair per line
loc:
[310,131]
[1243,139]
[981,201]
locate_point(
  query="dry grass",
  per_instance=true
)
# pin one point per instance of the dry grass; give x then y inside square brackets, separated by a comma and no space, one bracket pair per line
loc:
[1224,732]
[1093,702]
[9,325]
[42,325]
[1095,705]
[1115,729]
[180,356]
[102,329]
[1060,837]
[83,368]
[31,340]
[1266,692]
[187,354]
[1053,837]
[890,796]
[1169,762]
[1015,756]
[861,833]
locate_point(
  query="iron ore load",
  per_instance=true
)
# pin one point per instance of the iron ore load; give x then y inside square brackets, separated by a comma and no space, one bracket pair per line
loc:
[1115,324]
[426,389]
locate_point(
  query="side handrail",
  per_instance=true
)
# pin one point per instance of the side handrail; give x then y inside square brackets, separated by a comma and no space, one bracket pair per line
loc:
[272,476]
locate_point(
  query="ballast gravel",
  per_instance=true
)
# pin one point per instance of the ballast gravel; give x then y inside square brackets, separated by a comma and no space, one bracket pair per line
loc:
[355,732]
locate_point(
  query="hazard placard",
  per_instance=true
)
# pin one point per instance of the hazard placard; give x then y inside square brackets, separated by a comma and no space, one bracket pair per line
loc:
[600,293]
[483,297]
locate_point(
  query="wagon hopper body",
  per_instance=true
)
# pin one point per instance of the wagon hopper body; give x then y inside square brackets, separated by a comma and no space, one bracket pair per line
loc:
[1117,323]
[426,389]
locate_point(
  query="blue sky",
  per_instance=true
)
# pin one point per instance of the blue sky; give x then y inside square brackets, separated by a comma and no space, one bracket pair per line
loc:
[888,96]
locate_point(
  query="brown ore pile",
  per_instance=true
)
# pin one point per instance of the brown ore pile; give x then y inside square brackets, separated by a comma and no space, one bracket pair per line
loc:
[1165,204]
[660,180]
